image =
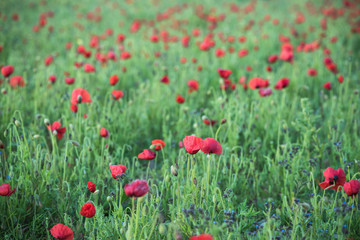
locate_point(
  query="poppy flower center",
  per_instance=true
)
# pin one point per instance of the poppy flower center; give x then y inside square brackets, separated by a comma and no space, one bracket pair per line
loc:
[333,179]
[79,99]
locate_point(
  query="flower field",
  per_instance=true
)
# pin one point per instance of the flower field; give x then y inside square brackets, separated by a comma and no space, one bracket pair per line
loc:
[194,120]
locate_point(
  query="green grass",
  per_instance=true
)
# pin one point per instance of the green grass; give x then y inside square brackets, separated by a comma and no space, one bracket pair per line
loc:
[274,148]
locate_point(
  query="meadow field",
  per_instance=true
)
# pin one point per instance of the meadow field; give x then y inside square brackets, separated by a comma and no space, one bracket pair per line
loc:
[194,120]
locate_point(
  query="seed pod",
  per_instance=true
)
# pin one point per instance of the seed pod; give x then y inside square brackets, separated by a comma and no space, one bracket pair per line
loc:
[174,170]
[46,122]
[162,229]
[17,123]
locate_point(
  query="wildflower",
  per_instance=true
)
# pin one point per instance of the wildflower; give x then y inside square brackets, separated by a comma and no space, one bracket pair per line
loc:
[210,145]
[282,83]
[91,186]
[192,144]
[334,178]
[104,133]
[165,79]
[80,95]
[159,144]
[69,81]
[7,70]
[265,92]
[147,154]
[62,232]
[52,79]
[327,85]
[117,170]
[117,94]
[137,188]
[202,237]
[223,73]
[88,210]
[56,130]
[89,68]
[352,187]
[113,80]
[193,85]
[180,99]
[5,190]
[17,81]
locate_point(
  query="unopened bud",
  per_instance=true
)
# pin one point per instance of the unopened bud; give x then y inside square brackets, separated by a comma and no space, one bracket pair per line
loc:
[54,132]
[46,121]
[162,229]
[174,170]
[195,181]
[3,91]
[75,143]
[96,192]
[109,199]
[17,123]
[152,147]
[223,121]
[36,136]
[167,178]
[204,117]
[6,132]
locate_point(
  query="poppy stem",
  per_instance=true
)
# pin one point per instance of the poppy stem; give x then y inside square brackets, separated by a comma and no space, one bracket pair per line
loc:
[208,179]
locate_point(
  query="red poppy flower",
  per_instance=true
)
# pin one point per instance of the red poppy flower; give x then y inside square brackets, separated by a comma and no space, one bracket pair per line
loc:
[56,130]
[48,60]
[220,53]
[272,58]
[114,79]
[117,94]
[192,144]
[193,85]
[210,122]
[147,155]
[62,232]
[88,210]
[89,68]
[104,133]
[243,52]
[80,95]
[7,70]
[159,144]
[52,79]
[154,38]
[69,81]
[137,188]
[117,170]
[341,79]
[91,186]
[210,145]
[180,99]
[17,81]
[256,83]
[74,108]
[282,83]
[120,38]
[268,68]
[333,177]
[312,72]
[125,55]
[202,237]
[5,190]
[264,92]
[165,79]
[327,85]
[352,188]
[223,73]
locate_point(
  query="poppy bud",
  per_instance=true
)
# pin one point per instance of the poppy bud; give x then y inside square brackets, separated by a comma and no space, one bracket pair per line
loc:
[3,91]
[6,132]
[75,143]
[195,181]
[36,136]
[223,121]
[204,117]
[46,121]
[109,199]
[96,192]
[152,147]
[167,178]
[17,123]
[162,229]
[54,132]
[174,170]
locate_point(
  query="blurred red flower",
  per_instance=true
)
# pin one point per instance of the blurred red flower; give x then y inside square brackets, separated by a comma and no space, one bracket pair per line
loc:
[62,232]
[137,188]
[80,95]
[147,154]
[5,190]
[91,186]
[56,130]
[333,177]
[352,188]
[210,145]
[192,144]
[88,210]
[117,170]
